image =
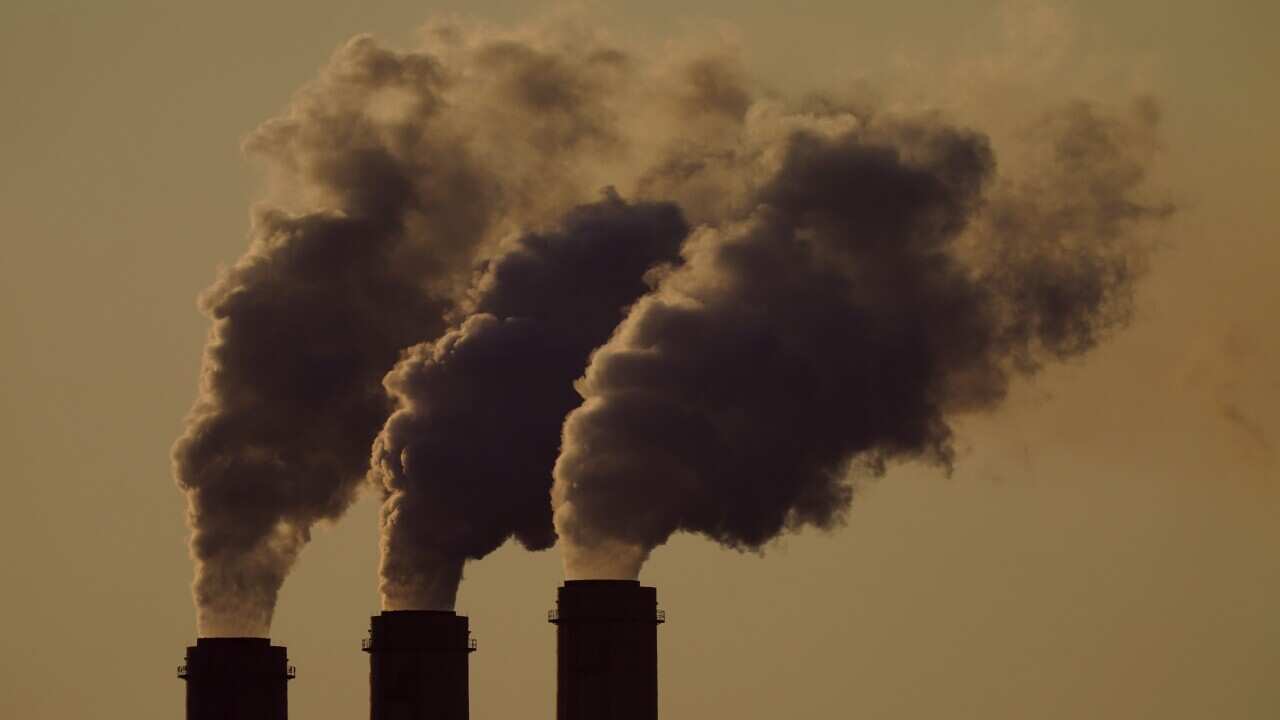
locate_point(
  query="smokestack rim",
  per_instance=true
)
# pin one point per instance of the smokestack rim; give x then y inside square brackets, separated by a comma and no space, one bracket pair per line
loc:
[606,600]
[601,582]
[409,613]
[249,655]
[443,631]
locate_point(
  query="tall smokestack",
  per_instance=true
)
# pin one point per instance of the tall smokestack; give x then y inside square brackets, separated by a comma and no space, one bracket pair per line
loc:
[606,650]
[418,665]
[245,678]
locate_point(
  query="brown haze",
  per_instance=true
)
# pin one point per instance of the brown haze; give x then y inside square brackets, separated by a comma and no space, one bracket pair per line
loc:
[1104,545]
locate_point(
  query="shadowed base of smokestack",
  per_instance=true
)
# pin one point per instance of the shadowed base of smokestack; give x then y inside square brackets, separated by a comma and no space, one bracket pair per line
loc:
[418,665]
[243,678]
[606,650]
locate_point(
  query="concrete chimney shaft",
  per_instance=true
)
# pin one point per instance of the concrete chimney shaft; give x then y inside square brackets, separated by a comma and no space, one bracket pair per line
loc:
[242,678]
[418,665]
[606,650]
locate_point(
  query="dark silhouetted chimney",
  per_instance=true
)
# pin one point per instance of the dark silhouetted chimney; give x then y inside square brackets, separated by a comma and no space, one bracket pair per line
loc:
[418,665]
[606,650]
[241,678]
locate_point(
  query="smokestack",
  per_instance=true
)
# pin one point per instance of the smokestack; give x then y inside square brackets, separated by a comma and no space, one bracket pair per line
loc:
[418,665]
[237,677]
[606,650]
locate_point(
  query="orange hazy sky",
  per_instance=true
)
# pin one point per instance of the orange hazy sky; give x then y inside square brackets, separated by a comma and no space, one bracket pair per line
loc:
[1108,546]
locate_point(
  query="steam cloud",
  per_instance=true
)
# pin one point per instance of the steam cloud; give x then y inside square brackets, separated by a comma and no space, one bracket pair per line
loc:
[431,278]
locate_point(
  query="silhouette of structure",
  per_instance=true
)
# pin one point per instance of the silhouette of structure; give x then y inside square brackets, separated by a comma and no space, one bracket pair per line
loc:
[418,665]
[606,650]
[241,678]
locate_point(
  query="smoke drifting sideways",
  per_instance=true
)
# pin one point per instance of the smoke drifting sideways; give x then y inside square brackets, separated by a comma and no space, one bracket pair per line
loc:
[392,175]
[852,284]
[466,458]
[879,281]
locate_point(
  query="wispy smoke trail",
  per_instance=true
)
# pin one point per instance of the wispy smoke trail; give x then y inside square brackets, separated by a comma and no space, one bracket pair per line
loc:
[878,282]
[467,458]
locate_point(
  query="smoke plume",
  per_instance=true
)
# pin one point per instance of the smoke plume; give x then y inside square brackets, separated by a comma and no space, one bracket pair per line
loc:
[466,459]
[429,278]
[392,174]
[879,281]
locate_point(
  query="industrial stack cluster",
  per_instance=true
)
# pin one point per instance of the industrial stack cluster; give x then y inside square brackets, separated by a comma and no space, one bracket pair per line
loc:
[606,662]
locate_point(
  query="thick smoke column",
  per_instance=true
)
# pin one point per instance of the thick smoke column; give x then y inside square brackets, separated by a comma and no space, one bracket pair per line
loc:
[879,281]
[466,459]
[394,173]
[306,323]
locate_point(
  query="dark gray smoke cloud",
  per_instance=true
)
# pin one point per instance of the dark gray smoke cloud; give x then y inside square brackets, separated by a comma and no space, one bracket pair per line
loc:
[881,280]
[306,323]
[466,458]
[304,328]
[851,285]
[392,175]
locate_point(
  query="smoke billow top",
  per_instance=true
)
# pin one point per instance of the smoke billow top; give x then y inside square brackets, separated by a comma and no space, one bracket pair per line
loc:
[776,292]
